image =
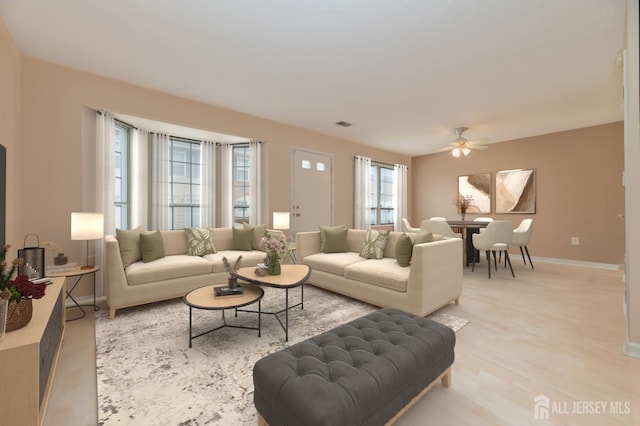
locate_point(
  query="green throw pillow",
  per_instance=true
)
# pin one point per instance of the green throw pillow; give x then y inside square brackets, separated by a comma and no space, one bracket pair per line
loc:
[242,239]
[199,241]
[374,243]
[333,239]
[404,250]
[259,231]
[151,246]
[129,243]
[423,237]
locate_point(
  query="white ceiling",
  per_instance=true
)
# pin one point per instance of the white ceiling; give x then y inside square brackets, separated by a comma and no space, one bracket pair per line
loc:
[404,72]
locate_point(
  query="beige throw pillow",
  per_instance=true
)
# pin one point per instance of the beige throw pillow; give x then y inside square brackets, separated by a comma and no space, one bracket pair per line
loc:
[333,239]
[374,243]
[151,246]
[199,241]
[129,243]
[423,237]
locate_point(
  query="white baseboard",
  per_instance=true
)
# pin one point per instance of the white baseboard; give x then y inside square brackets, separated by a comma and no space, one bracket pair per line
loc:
[631,349]
[609,266]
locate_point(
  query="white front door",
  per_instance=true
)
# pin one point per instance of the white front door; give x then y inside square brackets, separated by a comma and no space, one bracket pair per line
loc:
[312,178]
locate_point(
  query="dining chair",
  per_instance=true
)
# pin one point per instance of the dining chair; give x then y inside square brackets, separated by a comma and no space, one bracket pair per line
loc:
[483,219]
[521,237]
[497,237]
[439,227]
[406,226]
[438,218]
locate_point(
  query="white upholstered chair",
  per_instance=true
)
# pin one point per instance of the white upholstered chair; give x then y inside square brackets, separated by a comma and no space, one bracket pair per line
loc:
[439,227]
[497,237]
[438,218]
[521,237]
[406,226]
[483,219]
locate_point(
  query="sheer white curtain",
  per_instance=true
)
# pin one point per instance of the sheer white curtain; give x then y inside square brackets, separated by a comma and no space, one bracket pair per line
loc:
[399,195]
[159,216]
[208,184]
[104,187]
[255,179]
[362,200]
[226,185]
[139,178]
[105,170]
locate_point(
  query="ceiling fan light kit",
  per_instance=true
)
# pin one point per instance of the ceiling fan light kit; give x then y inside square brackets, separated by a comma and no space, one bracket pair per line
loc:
[461,145]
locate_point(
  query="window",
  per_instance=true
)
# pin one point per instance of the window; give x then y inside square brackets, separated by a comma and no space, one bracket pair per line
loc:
[121,175]
[241,184]
[184,184]
[382,181]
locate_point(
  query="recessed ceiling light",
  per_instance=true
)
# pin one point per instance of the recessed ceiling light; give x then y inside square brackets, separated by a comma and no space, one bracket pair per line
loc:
[343,124]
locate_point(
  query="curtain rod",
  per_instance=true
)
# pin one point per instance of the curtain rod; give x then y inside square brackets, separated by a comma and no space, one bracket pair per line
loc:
[355,157]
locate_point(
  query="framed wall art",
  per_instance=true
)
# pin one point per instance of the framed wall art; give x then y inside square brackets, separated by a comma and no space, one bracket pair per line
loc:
[515,191]
[477,187]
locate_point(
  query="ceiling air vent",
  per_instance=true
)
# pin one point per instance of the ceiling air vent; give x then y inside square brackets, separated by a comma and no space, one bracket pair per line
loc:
[343,124]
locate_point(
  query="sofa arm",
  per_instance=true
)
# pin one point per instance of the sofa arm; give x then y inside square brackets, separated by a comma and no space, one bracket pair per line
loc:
[116,279]
[307,243]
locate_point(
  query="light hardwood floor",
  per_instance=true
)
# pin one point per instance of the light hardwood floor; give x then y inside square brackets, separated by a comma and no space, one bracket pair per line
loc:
[555,332]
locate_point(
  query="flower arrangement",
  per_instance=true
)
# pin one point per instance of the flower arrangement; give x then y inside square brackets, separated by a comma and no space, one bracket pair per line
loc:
[463,202]
[275,244]
[20,287]
[231,269]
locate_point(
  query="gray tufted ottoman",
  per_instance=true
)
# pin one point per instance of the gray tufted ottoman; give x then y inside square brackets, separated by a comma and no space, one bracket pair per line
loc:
[366,372]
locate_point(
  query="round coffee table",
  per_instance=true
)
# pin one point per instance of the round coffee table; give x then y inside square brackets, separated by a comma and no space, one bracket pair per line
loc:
[205,298]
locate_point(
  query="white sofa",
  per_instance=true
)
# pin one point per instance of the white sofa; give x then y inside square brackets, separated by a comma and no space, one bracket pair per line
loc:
[433,279]
[173,275]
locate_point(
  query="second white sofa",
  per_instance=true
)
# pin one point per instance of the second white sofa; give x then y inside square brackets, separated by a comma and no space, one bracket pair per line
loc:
[433,279]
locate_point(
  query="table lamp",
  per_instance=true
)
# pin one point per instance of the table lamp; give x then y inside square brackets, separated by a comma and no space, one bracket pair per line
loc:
[87,226]
[281,221]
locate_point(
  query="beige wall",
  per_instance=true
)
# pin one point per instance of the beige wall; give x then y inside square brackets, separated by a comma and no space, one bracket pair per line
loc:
[10,134]
[578,186]
[54,99]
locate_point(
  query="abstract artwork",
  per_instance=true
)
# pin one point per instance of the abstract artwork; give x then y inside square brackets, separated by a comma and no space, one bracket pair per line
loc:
[478,187]
[516,191]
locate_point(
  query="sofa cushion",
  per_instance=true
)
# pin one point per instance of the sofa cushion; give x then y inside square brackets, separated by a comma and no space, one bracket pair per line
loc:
[175,242]
[385,273]
[249,258]
[404,250]
[333,239]
[333,263]
[199,241]
[222,238]
[258,232]
[242,239]
[374,243]
[129,243]
[167,268]
[151,246]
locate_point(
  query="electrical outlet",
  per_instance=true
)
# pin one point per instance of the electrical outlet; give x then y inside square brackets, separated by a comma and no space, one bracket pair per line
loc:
[575,241]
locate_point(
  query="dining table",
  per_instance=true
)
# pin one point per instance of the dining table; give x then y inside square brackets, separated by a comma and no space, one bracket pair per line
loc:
[467,228]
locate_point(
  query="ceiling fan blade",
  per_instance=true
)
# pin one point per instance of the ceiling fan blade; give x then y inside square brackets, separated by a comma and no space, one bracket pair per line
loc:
[481,141]
[446,148]
[475,146]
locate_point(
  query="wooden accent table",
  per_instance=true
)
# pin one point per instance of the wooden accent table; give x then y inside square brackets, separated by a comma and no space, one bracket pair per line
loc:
[205,298]
[28,358]
[291,276]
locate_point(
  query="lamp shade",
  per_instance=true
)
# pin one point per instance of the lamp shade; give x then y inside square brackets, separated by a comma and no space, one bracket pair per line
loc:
[280,220]
[87,226]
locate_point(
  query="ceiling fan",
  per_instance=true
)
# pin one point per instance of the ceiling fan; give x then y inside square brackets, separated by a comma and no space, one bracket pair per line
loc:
[463,146]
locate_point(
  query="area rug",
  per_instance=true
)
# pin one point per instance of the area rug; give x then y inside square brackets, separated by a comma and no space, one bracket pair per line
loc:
[147,375]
